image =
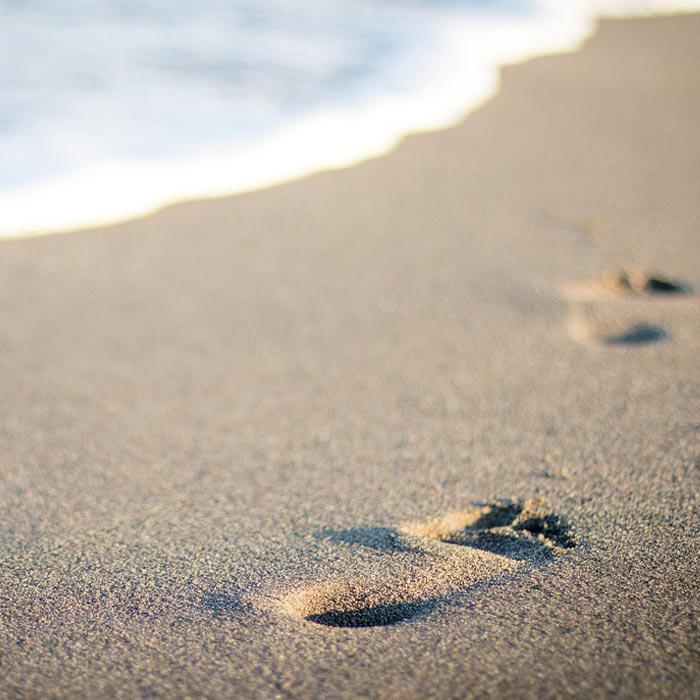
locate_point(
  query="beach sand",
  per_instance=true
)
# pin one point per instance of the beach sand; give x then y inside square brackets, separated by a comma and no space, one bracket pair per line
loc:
[428,427]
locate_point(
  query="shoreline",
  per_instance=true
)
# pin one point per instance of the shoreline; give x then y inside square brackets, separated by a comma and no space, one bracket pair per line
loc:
[460,79]
[421,428]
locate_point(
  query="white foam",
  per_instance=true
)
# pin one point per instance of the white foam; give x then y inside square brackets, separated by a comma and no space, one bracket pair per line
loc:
[459,78]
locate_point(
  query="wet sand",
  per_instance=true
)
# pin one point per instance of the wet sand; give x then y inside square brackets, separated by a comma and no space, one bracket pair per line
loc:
[423,428]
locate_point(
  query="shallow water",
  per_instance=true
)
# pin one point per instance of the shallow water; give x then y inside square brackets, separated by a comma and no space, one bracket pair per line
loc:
[112,108]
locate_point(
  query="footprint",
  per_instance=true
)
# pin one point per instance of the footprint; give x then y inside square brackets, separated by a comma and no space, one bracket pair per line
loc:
[362,615]
[521,530]
[593,327]
[425,562]
[359,602]
[400,588]
[623,309]
[627,282]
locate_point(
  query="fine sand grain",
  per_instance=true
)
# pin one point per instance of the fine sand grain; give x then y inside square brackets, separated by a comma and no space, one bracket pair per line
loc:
[428,427]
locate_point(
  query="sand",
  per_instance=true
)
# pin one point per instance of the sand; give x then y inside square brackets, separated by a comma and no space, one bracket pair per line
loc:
[422,428]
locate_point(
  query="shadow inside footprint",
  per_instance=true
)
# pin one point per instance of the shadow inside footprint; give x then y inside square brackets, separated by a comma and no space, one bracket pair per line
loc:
[375,616]
[553,528]
[660,285]
[640,334]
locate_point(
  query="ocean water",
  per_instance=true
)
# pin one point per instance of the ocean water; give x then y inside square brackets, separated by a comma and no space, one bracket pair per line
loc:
[110,109]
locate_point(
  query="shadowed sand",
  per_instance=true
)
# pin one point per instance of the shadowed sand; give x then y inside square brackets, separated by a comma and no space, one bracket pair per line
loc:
[395,431]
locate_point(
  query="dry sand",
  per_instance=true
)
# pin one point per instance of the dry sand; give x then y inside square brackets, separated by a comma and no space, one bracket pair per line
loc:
[455,389]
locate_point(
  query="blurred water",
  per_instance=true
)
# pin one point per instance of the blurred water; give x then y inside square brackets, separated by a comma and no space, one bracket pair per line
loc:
[110,108]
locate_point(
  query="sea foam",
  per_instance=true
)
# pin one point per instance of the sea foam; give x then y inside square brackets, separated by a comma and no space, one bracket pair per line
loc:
[124,110]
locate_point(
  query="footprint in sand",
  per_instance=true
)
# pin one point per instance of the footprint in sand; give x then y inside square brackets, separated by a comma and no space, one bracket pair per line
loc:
[624,309]
[424,562]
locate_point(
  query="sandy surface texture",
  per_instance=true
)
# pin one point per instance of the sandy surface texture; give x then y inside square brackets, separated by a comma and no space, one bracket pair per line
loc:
[424,428]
